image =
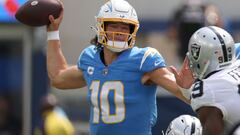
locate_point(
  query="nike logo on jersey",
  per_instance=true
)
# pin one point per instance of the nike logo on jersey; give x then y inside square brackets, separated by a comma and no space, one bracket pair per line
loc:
[156,63]
[150,52]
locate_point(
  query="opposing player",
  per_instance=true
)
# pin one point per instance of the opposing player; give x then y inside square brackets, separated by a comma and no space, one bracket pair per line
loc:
[184,125]
[215,95]
[112,69]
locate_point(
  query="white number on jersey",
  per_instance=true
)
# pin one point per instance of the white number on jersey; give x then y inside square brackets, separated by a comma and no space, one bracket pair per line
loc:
[197,89]
[115,86]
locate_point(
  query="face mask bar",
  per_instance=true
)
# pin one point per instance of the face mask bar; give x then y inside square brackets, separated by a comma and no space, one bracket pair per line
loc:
[113,43]
[197,74]
[110,36]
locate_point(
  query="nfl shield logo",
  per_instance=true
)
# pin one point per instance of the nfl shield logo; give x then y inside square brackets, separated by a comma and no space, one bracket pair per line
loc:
[195,50]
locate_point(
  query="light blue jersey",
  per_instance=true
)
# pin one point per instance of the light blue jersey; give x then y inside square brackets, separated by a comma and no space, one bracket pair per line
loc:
[237,48]
[120,104]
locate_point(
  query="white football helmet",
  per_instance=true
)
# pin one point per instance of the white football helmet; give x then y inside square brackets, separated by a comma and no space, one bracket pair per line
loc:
[117,11]
[184,125]
[210,49]
[235,130]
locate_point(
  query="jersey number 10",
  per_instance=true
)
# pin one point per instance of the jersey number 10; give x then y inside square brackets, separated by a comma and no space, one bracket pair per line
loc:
[103,107]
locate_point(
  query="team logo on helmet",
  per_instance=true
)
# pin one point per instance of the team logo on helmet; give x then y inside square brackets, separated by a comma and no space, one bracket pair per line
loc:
[195,51]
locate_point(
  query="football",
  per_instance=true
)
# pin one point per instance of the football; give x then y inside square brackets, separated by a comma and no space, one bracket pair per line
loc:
[36,12]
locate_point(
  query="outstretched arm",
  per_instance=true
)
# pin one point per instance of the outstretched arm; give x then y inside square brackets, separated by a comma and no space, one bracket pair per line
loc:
[164,78]
[172,80]
[61,75]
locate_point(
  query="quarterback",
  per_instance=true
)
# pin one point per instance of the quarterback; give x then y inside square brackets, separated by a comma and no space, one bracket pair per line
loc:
[112,69]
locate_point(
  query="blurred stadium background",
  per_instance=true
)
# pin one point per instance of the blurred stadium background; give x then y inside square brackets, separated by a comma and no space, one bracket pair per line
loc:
[23,76]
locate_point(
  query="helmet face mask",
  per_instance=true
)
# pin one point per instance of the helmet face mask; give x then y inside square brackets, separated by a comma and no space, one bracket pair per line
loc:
[184,125]
[192,66]
[210,49]
[117,11]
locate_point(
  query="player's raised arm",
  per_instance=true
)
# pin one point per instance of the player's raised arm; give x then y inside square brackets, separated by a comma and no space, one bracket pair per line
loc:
[61,75]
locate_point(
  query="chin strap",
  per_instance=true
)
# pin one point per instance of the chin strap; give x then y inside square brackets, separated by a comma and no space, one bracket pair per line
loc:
[204,70]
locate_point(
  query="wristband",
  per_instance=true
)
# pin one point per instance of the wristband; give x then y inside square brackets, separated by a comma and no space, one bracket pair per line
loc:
[53,35]
[186,92]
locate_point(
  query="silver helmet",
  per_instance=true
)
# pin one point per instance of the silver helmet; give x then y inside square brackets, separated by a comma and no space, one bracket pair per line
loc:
[210,49]
[184,125]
